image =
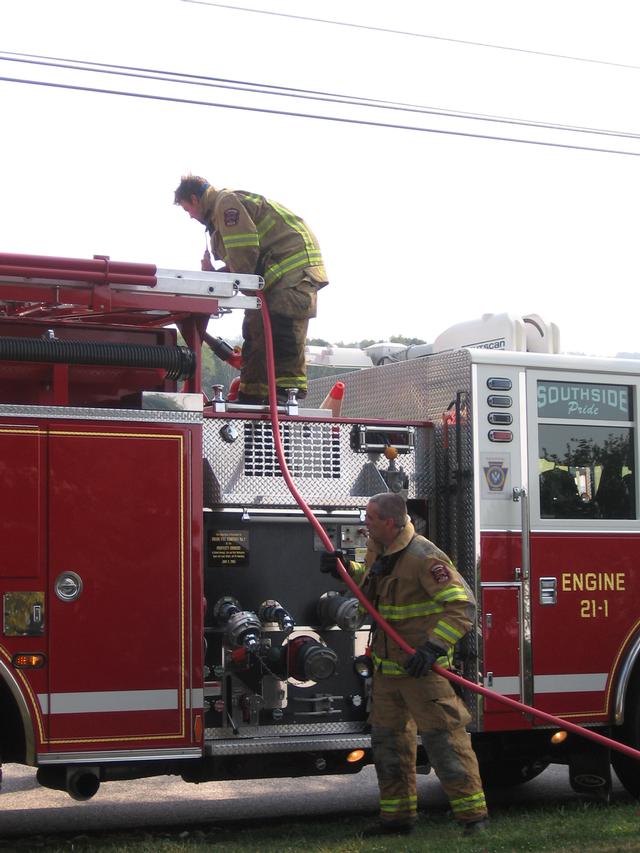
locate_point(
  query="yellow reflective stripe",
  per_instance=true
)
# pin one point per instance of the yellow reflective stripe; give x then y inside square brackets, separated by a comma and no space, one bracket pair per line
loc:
[452,593]
[294,222]
[256,199]
[469,804]
[293,262]
[448,632]
[395,612]
[393,669]
[402,804]
[285,381]
[264,225]
[240,241]
[387,667]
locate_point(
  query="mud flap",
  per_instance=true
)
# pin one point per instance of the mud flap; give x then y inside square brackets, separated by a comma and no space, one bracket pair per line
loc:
[590,772]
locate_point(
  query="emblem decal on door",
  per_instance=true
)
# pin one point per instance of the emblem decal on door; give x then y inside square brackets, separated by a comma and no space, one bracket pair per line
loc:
[495,472]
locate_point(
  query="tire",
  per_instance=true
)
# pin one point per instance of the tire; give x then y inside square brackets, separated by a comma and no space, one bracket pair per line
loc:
[505,774]
[627,768]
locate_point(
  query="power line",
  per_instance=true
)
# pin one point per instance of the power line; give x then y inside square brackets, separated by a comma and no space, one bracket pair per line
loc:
[292,114]
[414,35]
[281,91]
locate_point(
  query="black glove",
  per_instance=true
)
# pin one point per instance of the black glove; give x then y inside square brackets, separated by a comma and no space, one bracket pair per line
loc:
[329,563]
[421,662]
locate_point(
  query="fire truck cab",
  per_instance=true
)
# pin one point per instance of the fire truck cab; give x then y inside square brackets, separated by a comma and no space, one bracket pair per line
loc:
[535,498]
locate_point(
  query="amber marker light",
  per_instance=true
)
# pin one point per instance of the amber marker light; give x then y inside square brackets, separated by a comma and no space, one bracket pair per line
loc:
[559,737]
[197,727]
[28,661]
[355,756]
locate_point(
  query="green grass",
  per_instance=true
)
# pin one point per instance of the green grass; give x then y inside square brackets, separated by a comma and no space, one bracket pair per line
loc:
[577,828]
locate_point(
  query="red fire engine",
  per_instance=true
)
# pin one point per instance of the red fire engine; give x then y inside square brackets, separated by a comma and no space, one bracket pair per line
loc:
[163,609]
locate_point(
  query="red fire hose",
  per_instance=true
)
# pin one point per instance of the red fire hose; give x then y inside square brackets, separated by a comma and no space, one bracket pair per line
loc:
[391,632]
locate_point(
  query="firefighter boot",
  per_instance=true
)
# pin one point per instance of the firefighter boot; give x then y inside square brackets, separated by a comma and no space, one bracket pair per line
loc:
[476,827]
[390,827]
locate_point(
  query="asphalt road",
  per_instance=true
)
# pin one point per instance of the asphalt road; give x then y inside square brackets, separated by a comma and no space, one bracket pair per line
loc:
[27,809]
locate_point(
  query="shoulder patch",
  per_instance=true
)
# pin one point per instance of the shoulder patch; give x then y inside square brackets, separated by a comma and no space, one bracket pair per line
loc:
[231,216]
[440,573]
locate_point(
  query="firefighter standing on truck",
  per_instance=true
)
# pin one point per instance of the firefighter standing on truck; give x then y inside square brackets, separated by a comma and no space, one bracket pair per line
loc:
[416,588]
[255,236]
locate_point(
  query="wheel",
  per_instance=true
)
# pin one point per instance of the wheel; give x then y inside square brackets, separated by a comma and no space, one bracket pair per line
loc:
[627,768]
[504,774]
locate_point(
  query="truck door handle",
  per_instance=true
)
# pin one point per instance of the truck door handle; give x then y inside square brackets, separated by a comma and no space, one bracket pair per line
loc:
[68,586]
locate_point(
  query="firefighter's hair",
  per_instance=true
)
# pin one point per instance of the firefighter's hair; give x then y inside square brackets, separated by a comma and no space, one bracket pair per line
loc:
[190,185]
[390,505]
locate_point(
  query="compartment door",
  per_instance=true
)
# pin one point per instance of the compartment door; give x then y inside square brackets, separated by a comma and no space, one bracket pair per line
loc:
[118,570]
[22,475]
[502,652]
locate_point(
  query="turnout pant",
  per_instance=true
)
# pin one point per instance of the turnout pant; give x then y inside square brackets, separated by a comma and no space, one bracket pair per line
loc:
[291,303]
[400,705]
[289,339]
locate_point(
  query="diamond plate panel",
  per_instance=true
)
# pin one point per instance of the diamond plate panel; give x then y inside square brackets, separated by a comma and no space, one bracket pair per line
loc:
[327,471]
[272,744]
[290,731]
[425,389]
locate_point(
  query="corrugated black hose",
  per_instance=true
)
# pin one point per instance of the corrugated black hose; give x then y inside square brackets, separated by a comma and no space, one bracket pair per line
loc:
[179,362]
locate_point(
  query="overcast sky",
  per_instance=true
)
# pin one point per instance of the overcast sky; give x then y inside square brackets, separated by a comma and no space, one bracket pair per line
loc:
[420,228]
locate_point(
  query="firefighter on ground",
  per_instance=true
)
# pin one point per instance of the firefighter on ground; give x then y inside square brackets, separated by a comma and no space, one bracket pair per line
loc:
[416,588]
[256,236]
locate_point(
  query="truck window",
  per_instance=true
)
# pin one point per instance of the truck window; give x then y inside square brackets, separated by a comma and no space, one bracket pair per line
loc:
[586,470]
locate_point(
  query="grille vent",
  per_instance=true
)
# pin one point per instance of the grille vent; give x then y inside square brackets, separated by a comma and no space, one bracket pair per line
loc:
[310,449]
